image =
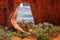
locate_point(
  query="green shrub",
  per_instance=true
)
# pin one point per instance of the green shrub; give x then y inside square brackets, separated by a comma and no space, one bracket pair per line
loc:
[40,30]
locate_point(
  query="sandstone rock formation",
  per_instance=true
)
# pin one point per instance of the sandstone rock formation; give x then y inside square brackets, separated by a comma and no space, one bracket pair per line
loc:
[42,10]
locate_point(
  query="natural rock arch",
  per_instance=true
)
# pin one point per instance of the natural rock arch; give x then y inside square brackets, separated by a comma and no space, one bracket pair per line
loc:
[42,10]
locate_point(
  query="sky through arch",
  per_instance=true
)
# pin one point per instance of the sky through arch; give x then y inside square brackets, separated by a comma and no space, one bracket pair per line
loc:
[24,12]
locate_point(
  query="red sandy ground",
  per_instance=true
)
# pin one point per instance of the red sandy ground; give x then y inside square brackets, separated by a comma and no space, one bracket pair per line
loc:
[15,38]
[56,38]
[26,38]
[32,38]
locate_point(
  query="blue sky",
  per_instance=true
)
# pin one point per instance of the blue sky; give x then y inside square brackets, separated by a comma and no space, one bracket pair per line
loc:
[24,12]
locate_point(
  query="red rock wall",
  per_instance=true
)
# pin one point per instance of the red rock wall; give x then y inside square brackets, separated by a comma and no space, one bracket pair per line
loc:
[42,10]
[46,11]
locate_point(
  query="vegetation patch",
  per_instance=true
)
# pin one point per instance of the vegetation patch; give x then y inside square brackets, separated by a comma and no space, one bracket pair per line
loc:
[40,31]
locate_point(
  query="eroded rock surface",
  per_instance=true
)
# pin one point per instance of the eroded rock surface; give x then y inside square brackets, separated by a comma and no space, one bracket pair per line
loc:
[42,10]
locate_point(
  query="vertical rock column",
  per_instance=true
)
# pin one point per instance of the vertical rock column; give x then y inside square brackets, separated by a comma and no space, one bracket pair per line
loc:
[13,10]
[37,11]
[46,11]
[2,20]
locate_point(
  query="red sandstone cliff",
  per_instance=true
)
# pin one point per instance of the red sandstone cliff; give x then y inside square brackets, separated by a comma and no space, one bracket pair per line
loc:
[42,10]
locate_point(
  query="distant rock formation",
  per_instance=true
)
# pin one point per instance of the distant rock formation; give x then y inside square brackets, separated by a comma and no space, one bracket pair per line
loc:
[42,10]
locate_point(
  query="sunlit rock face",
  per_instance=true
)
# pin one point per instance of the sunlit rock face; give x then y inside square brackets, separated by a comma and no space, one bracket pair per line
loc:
[46,11]
[42,10]
[7,11]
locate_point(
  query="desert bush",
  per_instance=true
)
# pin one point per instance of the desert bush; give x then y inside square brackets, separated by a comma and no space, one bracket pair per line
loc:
[40,31]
